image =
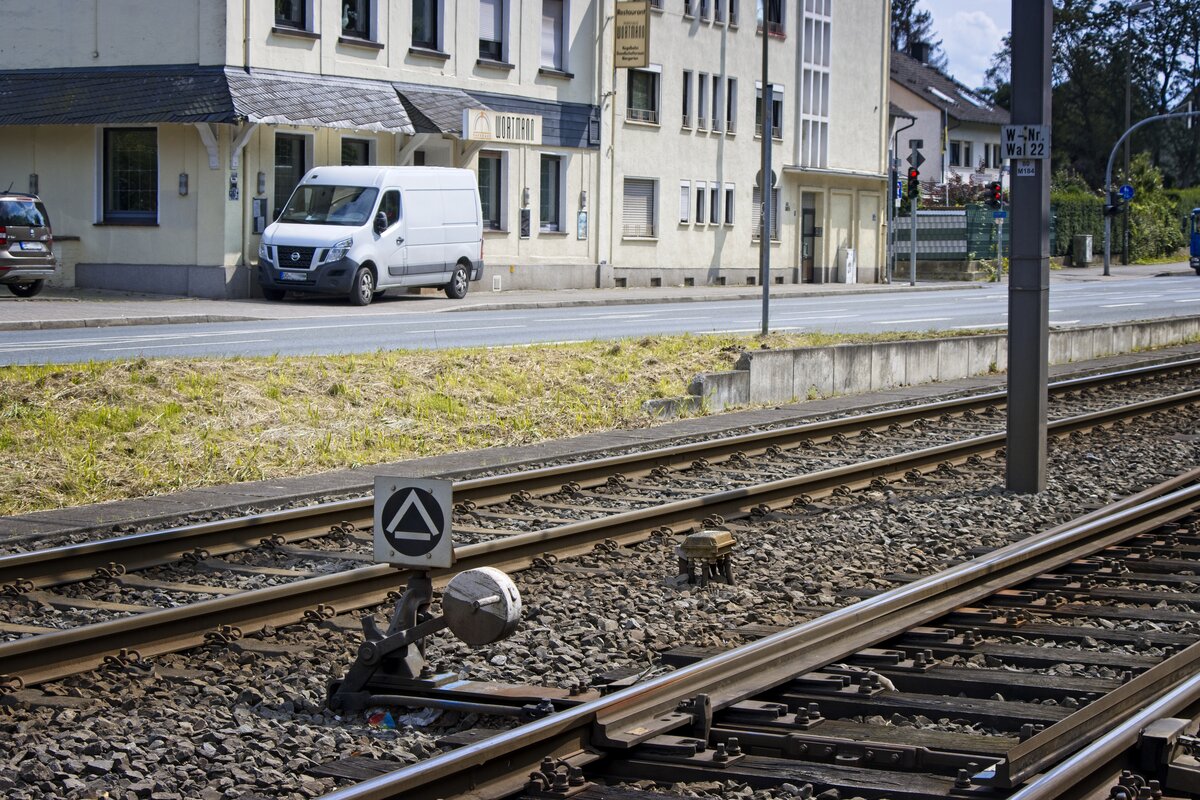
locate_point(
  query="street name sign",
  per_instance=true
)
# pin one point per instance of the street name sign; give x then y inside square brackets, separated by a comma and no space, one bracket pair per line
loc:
[1025,141]
[412,522]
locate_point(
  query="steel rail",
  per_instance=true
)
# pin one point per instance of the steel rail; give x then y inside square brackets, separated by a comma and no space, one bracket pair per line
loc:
[52,566]
[631,716]
[56,655]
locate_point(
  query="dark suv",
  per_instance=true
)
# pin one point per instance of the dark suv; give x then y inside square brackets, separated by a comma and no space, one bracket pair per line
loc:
[26,244]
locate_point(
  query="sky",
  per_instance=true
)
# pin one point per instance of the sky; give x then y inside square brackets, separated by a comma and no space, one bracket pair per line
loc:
[971,32]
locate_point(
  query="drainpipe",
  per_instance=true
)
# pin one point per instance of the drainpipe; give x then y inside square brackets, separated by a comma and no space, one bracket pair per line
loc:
[893,172]
[246,35]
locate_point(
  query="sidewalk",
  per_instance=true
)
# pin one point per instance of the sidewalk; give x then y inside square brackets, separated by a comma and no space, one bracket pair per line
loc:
[87,308]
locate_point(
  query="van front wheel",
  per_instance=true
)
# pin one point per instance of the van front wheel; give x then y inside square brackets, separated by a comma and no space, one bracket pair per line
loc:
[362,291]
[456,289]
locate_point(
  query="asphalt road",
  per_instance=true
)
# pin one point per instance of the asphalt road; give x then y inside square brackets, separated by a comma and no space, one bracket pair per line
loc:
[985,308]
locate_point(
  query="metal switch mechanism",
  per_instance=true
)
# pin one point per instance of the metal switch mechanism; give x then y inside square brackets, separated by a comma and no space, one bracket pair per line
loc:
[479,606]
[706,556]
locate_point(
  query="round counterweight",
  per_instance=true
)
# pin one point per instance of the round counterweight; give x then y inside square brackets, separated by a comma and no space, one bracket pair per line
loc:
[481,606]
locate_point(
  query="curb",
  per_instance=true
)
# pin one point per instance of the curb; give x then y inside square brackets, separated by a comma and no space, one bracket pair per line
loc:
[117,322]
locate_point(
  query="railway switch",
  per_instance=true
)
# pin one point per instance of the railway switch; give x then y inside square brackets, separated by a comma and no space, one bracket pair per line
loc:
[707,556]
[479,606]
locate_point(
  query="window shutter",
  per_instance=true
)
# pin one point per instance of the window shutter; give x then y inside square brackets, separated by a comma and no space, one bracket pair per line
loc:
[490,23]
[552,26]
[756,213]
[685,202]
[637,216]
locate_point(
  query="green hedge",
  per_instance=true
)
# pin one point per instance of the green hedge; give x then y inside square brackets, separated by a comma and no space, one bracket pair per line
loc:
[1075,213]
[1185,200]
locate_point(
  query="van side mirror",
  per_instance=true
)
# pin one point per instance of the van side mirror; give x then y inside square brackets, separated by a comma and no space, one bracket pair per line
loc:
[381,222]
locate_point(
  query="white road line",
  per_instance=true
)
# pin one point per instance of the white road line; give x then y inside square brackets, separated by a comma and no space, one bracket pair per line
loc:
[181,344]
[904,321]
[1121,305]
[1190,300]
[806,317]
[1063,321]
[973,327]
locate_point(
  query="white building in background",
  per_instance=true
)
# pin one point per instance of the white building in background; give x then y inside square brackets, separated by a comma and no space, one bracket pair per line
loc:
[164,135]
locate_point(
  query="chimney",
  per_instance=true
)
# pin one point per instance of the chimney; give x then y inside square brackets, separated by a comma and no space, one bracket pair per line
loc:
[919,51]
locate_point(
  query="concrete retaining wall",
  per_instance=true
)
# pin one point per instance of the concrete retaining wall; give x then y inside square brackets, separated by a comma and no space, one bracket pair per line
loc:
[784,376]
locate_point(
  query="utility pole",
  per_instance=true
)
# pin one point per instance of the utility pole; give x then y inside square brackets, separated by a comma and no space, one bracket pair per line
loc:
[764,182]
[1029,274]
[1131,11]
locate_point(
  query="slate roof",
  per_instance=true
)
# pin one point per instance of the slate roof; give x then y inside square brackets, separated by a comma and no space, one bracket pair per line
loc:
[190,93]
[435,109]
[944,92]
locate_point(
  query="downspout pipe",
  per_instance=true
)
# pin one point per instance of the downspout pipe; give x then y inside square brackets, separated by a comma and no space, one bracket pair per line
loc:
[893,172]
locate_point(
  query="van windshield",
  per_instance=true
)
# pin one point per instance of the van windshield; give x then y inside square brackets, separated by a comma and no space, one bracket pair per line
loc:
[330,205]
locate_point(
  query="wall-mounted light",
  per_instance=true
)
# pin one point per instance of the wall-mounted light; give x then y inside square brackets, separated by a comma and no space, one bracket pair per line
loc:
[183,184]
[33,183]
[525,197]
[262,183]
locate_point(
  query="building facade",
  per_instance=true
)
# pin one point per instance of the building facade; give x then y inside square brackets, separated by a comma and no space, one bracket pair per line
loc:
[165,136]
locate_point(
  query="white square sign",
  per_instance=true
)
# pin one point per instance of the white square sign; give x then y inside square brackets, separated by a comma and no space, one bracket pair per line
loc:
[412,522]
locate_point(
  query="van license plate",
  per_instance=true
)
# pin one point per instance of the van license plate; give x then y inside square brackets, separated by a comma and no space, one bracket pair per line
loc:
[293,276]
[38,246]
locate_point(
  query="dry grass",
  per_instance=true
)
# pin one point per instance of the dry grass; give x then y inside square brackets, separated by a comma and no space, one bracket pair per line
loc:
[75,434]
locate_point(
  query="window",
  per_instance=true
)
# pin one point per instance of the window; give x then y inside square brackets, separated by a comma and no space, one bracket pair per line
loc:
[774,16]
[776,111]
[718,10]
[356,19]
[685,202]
[689,8]
[716,102]
[491,30]
[552,34]
[731,105]
[290,160]
[701,202]
[643,96]
[131,175]
[637,214]
[291,14]
[490,190]
[729,204]
[390,206]
[714,204]
[733,12]
[551,194]
[756,216]
[704,9]
[425,24]
[702,100]
[960,154]
[356,152]
[687,98]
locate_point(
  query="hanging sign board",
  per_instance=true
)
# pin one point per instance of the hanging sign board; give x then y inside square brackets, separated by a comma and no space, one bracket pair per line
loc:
[631,42]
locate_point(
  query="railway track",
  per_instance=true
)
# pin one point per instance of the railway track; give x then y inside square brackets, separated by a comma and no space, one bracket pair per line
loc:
[950,685]
[625,499]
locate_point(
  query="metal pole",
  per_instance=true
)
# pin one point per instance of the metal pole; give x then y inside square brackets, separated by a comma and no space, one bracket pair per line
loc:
[913,202]
[999,250]
[890,198]
[1128,83]
[1112,157]
[764,185]
[1029,267]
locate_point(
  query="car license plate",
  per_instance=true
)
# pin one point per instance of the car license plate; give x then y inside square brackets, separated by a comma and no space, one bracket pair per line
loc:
[32,246]
[293,276]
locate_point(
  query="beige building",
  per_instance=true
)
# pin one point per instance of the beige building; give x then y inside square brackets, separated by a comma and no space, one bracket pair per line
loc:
[164,136]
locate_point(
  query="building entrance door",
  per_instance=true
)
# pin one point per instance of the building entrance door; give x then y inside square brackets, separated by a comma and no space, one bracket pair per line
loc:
[808,244]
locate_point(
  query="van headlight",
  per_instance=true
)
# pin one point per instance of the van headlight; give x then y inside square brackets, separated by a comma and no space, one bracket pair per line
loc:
[339,250]
[264,252]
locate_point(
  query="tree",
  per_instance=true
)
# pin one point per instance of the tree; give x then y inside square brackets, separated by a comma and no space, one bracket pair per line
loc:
[910,26]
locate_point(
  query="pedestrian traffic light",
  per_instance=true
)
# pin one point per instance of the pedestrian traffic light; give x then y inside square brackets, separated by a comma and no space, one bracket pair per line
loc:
[914,183]
[995,194]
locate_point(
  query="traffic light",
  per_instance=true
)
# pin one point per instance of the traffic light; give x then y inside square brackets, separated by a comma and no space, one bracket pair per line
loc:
[914,183]
[995,196]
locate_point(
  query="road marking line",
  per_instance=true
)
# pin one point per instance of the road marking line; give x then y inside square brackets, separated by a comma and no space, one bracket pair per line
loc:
[1192,300]
[181,344]
[972,327]
[1121,305]
[904,321]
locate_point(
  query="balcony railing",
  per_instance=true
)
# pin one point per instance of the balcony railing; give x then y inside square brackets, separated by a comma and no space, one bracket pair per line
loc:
[642,114]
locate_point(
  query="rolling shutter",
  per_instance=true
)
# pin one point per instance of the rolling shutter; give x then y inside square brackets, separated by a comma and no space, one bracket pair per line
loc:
[756,213]
[490,23]
[552,33]
[637,215]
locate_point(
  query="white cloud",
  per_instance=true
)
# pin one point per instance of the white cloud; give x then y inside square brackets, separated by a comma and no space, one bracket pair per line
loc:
[971,32]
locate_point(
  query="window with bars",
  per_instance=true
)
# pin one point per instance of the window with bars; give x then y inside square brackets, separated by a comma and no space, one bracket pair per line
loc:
[642,97]
[637,213]
[756,214]
[131,175]
[491,30]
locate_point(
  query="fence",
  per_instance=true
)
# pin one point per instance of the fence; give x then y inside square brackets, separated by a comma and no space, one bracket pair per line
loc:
[959,234]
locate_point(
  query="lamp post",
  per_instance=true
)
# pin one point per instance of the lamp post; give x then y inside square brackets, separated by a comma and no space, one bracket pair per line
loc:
[1131,11]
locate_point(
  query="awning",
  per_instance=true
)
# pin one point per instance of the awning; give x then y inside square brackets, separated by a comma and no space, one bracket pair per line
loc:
[435,109]
[189,93]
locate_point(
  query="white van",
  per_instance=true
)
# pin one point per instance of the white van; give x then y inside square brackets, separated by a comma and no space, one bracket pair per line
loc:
[360,231]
